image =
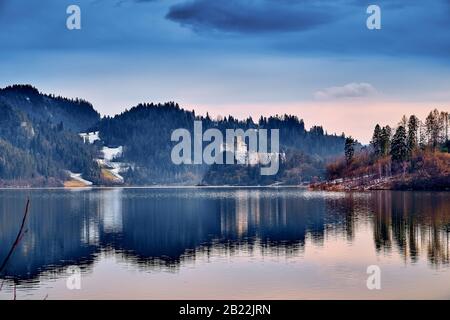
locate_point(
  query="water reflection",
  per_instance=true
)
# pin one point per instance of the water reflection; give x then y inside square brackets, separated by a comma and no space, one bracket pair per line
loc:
[415,223]
[164,228]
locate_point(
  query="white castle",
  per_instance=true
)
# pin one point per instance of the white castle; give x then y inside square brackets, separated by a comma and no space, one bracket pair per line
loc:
[243,156]
[90,137]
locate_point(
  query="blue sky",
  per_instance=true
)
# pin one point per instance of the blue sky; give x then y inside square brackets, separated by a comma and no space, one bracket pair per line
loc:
[313,58]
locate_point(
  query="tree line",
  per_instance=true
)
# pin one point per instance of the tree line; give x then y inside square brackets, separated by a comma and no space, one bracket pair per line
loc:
[411,135]
[415,149]
[145,130]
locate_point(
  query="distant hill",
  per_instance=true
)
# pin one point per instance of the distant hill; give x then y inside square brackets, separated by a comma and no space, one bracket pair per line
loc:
[37,142]
[145,132]
[40,144]
[75,114]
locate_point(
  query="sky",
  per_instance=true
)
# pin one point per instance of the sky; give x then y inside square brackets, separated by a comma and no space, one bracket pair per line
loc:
[313,58]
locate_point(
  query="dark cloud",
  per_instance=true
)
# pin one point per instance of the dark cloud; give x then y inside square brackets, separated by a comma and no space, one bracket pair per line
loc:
[250,16]
[333,26]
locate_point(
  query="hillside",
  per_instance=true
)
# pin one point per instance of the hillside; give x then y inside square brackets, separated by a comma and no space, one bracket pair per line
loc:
[144,132]
[428,171]
[47,140]
[415,157]
[36,148]
[75,115]
[296,168]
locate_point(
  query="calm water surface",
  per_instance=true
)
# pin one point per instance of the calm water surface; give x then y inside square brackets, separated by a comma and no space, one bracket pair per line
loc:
[226,243]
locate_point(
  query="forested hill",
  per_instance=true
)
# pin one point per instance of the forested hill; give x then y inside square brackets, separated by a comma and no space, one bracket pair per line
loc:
[145,132]
[76,115]
[39,153]
[39,139]
[40,143]
[152,124]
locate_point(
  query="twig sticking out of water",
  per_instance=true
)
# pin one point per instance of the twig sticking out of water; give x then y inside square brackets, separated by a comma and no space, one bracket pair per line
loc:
[18,238]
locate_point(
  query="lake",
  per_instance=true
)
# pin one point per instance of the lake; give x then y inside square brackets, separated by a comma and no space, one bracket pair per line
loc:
[225,243]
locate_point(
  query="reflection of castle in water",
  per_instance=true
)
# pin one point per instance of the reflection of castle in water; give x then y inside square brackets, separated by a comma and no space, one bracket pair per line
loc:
[164,227]
[166,230]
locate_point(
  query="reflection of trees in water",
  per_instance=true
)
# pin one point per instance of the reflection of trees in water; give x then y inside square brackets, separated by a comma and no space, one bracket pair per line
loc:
[341,215]
[276,225]
[275,221]
[167,233]
[59,233]
[417,223]
[382,221]
[163,229]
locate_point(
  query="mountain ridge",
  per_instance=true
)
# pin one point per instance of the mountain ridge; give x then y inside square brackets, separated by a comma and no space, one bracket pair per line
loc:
[144,133]
[75,114]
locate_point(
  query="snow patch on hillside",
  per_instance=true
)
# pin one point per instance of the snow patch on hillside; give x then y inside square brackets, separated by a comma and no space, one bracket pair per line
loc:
[110,153]
[115,171]
[115,168]
[77,177]
[106,161]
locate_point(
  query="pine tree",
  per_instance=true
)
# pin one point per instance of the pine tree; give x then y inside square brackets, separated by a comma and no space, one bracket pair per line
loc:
[399,147]
[385,145]
[413,125]
[444,118]
[433,128]
[404,122]
[376,141]
[349,149]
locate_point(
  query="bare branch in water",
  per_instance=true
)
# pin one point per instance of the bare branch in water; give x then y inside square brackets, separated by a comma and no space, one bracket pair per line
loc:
[18,238]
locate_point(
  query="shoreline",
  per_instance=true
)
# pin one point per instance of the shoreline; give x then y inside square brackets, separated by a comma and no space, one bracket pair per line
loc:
[301,187]
[394,183]
[158,187]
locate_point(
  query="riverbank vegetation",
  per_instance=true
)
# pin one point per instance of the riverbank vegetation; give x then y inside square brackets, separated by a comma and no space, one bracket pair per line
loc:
[414,155]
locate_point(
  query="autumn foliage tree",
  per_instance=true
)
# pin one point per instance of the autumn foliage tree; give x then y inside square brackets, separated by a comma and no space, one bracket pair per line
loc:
[417,151]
